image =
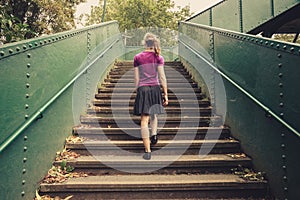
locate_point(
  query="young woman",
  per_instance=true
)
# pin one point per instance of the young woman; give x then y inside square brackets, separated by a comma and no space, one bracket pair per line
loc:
[148,69]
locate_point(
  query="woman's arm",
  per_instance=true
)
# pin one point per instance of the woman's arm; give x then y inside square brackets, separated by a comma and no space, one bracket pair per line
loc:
[136,78]
[163,82]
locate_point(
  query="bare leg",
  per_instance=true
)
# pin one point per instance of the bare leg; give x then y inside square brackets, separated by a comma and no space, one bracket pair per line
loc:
[153,124]
[145,132]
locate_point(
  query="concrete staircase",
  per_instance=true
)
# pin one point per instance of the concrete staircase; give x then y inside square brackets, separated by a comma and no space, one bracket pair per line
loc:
[111,149]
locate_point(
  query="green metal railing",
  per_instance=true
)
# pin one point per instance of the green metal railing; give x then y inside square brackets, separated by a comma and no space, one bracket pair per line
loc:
[242,15]
[260,77]
[46,84]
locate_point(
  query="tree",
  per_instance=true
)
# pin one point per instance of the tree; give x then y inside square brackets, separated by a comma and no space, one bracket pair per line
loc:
[135,14]
[23,19]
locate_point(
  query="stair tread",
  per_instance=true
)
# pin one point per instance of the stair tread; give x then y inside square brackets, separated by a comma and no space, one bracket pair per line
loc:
[153,182]
[134,159]
[160,142]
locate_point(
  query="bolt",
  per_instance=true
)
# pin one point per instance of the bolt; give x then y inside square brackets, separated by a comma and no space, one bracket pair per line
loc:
[280,84]
[24,171]
[284,167]
[27,85]
[27,75]
[26,116]
[285,178]
[25,138]
[18,49]
[281,94]
[28,65]
[25,149]
[2,53]
[29,55]
[27,96]
[30,45]
[23,193]
[280,75]
[24,47]
[292,49]
[24,160]
[23,182]
[10,51]
[284,47]
[283,146]
[281,104]
[26,106]
[279,55]
[283,156]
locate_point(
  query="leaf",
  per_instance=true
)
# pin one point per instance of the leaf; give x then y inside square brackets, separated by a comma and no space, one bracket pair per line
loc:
[63,164]
[38,197]
[69,197]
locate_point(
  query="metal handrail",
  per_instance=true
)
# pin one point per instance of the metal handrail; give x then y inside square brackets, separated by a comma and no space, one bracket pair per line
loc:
[36,115]
[268,110]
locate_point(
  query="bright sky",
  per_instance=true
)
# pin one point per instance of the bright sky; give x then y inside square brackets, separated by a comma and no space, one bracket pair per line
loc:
[196,5]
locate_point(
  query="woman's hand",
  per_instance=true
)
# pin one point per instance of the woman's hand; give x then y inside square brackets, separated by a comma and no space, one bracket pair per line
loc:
[166,100]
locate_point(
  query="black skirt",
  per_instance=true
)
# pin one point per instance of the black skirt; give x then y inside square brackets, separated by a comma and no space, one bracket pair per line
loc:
[148,101]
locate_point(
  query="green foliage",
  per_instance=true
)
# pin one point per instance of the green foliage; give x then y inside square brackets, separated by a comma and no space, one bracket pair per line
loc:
[135,14]
[23,19]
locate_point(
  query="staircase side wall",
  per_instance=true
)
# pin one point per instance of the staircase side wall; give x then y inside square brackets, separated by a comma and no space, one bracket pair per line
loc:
[242,15]
[269,71]
[33,72]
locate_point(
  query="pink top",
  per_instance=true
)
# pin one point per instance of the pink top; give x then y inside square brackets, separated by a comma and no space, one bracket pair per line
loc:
[148,63]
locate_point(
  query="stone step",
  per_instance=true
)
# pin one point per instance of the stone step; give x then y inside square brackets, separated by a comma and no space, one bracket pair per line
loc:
[159,164]
[178,90]
[169,73]
[163,147]
[131,76]
[171,111]
[183,186]
[172,103]
[126,96]
[131,85]
[129,80]
[123,122]
[198,133]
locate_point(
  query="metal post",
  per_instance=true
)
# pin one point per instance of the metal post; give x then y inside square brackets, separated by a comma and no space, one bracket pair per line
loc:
[104,9]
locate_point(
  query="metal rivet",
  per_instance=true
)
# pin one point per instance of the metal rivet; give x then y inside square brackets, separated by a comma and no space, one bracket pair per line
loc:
[292,49]
[24,160]
[10,51]
[280,85]
[27,75]
[283,146]
[279,55]
[266,42]
[27,85]
[27,96]
[278,46]
[283,167]
[280,75]
[25,149]
[284,177]
[23,193]
[280,65]
[283,156]
[285,189]
[41,42]
[28,65]
[18,49]
[24,171]
[282,135]
[30,45]
[26,116]
[25,138]
[281,104]
[2,53]
[24,47]
[23,182]
[272,44]
[281,94]
[36,44]
[29,55]
[26,106]
[49,40]
[281,114]
[284,47]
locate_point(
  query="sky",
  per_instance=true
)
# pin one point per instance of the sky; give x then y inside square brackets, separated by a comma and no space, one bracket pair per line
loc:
[196,5]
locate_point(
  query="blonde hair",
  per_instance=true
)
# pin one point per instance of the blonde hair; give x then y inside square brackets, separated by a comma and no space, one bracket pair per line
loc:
[151,41]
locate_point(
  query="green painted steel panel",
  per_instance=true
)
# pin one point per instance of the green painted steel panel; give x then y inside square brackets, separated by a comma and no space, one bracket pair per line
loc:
[203,18]
[282,5]
[227,15]
[269,71]
[255,12]
[54,61]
